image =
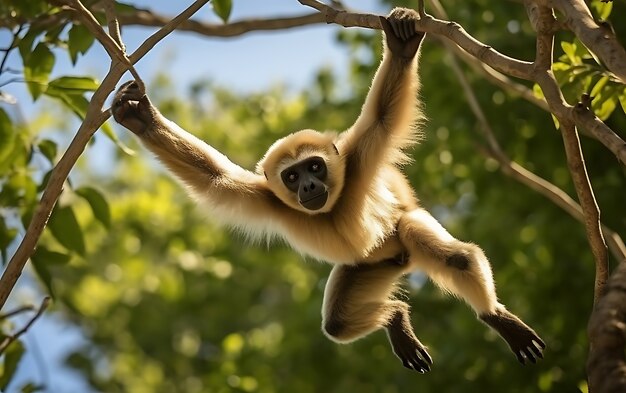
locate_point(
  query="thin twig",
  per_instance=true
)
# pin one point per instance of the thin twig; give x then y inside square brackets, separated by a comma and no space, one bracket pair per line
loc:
[113,23]
[10,339]
[11,46]
[112,47]
[17,311]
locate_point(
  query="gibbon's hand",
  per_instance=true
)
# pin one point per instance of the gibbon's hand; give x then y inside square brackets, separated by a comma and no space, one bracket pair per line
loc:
[132,108]
[402,38]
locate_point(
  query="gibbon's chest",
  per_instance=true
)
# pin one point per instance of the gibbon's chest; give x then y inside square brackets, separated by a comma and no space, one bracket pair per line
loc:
[357,228]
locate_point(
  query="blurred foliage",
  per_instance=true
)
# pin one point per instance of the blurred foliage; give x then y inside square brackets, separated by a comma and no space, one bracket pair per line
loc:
[172,303]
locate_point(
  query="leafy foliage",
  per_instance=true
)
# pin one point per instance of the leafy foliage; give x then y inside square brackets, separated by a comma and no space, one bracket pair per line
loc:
[170,302]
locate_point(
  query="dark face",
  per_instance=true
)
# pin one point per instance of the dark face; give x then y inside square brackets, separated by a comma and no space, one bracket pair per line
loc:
[306,178]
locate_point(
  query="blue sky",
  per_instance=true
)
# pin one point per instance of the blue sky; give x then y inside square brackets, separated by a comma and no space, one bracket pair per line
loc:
[252,62]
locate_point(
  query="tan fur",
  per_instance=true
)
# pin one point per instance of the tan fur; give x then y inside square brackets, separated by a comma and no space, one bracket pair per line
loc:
[372,215]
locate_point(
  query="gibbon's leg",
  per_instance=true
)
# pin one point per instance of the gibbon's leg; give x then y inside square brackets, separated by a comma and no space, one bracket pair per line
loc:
[463,269]
[358,299]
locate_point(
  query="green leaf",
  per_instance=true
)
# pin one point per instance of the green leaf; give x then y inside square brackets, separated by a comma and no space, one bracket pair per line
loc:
[108,131]
[222,8]
[7,139]
[31,388]
[42,260]
[6,237]
[622,100]
[602,9]
[79,41]
[537,92]
[66,230]
[75,102]
[49,149]
[26,43]
[597,89]
[570,50]
[37,68]
[98,203]
[73,85]
[12,358]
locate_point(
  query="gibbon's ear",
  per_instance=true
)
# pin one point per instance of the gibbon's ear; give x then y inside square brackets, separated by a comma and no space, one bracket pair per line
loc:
[336,150]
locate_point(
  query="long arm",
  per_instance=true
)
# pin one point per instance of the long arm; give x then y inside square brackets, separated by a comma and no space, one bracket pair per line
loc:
[210,175]
[387,122]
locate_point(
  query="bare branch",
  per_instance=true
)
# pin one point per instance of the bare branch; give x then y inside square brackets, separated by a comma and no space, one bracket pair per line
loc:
[17,311]
[113,23]
[10,339]
[590,208]
[497,78]
[232,29]
[94,118]
[165,30]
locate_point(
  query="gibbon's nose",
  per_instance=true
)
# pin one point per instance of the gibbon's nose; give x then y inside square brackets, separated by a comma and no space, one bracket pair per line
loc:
[312,194]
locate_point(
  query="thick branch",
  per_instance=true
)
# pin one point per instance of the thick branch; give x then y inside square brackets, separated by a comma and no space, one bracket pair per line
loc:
[606,365]
[94,118]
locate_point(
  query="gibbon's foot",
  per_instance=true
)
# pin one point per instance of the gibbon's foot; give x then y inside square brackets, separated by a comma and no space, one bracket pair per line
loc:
[406,346]
[132,109]
[402,38]
[522,340]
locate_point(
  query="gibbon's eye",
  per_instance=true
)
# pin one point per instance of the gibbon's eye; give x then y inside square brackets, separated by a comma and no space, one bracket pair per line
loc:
[315,167]
[292,177]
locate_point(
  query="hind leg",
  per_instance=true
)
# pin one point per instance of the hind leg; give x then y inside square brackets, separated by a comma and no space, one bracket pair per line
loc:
[463,269]
[358,300]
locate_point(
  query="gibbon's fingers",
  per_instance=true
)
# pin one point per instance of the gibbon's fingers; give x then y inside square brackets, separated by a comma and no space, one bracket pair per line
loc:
[408,28]
[393,42]
[132,108]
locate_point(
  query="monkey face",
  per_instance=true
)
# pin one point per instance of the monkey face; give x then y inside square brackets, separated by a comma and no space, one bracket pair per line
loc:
[307,179]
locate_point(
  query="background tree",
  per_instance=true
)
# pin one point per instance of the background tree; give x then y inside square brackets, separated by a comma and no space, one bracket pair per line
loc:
[169,302]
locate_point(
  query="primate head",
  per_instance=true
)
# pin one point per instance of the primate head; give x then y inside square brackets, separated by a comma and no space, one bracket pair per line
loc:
[305,170]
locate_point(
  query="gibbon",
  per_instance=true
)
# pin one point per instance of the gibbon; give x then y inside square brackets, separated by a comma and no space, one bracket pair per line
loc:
[342,198]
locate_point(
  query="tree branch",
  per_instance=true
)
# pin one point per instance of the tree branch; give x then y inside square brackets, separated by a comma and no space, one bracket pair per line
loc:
[94,118]
[523,175]
[496,60]
[11,338]
[543,22]
[232,29]
[606,365]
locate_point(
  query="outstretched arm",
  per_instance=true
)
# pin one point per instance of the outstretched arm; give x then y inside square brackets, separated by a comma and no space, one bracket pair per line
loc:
[210,175]
[387,122]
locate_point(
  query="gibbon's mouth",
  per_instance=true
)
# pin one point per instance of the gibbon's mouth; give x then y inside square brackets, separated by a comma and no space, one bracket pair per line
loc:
[316,202]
